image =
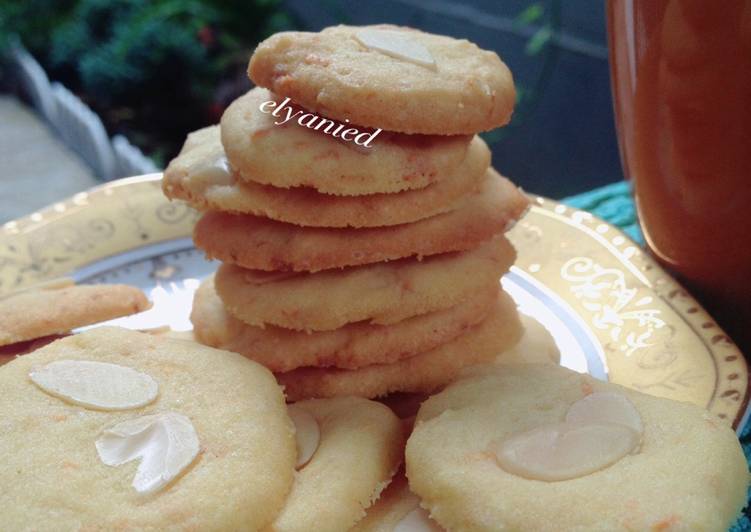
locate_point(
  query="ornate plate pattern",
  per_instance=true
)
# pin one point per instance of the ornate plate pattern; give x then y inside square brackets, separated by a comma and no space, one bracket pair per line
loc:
[612,310]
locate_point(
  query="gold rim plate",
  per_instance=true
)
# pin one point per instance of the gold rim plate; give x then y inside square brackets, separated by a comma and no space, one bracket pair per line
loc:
[613,311]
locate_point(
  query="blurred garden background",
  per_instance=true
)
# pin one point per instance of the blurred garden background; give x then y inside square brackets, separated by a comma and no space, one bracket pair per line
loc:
[155,70]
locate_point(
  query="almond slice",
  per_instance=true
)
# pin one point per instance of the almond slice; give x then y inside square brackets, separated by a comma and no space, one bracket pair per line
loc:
[396,44]
[97,385]
[605,407]
[564,451]
[307,434]
[165,443]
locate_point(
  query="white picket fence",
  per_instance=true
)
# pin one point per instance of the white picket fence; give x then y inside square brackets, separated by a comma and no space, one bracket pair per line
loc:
[77,125]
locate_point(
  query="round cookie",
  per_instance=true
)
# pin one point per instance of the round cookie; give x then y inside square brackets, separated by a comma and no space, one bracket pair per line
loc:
[59,306]
[361,446]
[263,244]
[201,175]
[351,346]
[424,372]
[262,148]
[54,479]
[368,75]
[688,474]
[382,293]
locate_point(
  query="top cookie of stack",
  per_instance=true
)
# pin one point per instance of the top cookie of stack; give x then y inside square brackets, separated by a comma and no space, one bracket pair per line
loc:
[436,86]
[356,212]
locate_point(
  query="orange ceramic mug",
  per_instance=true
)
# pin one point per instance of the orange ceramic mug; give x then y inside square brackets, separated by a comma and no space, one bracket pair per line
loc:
[681,79]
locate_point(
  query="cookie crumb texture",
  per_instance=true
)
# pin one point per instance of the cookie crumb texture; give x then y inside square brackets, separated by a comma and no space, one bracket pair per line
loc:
[334,74]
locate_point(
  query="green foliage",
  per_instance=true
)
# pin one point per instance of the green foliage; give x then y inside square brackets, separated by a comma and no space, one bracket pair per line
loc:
[33,20]
[118,47]
[529,15]
[541,25]
[538,40]
[150,68]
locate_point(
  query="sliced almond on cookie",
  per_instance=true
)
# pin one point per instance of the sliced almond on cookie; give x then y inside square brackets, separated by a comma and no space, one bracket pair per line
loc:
[396,44]
[563,451]
[165,443]
[307,434]
[605,407]
[97,385]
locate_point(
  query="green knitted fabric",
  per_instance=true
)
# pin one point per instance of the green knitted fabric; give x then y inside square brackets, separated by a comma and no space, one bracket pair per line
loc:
[614,204]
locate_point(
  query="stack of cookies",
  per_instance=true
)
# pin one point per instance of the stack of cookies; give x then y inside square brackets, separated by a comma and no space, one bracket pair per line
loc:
[355,211]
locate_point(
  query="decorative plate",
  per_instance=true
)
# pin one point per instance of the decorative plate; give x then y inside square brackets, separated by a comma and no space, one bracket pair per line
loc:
[613,312]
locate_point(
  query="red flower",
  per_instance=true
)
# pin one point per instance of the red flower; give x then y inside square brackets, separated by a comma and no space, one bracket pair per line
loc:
[206,36]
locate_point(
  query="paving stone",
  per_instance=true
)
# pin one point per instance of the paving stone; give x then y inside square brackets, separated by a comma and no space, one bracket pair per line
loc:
[36,168]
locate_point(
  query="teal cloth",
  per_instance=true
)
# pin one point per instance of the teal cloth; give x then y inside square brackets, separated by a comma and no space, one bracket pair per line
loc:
[614,204]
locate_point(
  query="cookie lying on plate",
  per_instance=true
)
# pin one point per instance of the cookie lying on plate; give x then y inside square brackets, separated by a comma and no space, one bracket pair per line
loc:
[351,346]
[262,244]
[388,77]
[201,175]
[424,372]
[58,306]
[116,429]
[348,450]
[264,150]
[382,293]
[539,447]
